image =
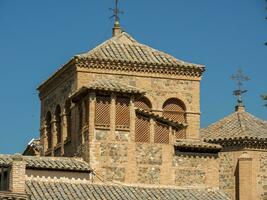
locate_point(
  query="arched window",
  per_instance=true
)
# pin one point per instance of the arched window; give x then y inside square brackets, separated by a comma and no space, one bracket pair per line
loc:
[48,119]
[58,124]
[68,115]
[174,109]
[143,103]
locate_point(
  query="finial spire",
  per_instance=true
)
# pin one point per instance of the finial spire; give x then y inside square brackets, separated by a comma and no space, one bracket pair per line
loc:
[116,13]
[239,77]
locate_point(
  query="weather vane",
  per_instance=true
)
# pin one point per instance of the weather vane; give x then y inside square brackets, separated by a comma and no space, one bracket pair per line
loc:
[116,11]
[239,77]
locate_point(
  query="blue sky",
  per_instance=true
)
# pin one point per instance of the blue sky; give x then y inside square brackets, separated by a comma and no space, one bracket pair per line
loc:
[37,37]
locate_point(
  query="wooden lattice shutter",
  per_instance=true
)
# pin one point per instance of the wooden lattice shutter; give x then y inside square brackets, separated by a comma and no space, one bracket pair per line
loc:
[102,111]
[122,112]
[180,134]
[174,109]
[161,133]
[142,129]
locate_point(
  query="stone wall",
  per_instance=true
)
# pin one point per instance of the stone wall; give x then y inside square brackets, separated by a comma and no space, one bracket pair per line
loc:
[228,163]
[120,159]
[195,169]
[262,176]
[227,173]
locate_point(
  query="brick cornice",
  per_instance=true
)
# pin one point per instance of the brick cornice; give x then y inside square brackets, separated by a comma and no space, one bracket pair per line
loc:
[168,69]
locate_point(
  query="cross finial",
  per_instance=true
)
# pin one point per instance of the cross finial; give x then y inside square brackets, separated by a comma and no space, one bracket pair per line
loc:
[116,12]
[240,78]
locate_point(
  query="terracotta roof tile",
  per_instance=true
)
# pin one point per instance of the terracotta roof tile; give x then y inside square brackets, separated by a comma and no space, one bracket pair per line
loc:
[124,48]
[239,124]
[69,191]
[113,85]
[196,144]
[55,163]
[160,118]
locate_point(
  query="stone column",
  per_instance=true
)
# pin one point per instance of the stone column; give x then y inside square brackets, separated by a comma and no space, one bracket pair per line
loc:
[113,116]
[244,177]
[132,119]
[73,134]
[54,135]
[64,130]
[91,116]
[17,174]
[193,121]
[152,129]
[171,136]
[44,141]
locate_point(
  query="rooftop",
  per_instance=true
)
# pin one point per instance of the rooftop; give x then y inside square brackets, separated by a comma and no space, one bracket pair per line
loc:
[66,190]
[238,125]
[52,163]
[124,48]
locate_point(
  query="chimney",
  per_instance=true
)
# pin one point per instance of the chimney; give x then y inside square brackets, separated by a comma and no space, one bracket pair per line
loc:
[17,174]
[244,177]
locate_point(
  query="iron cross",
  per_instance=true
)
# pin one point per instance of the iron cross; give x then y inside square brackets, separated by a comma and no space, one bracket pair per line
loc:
[240,78]
[116,11]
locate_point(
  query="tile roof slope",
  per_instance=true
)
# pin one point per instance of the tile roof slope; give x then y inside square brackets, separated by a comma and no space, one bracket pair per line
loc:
[196,144]
[83,191]
[160,118]
[54,163]
[124,48]
[237,125]
[113,85]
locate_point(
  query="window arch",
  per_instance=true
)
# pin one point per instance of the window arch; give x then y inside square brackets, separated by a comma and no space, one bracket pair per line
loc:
[48,126]
[174,109]
[58,124]
[143,103]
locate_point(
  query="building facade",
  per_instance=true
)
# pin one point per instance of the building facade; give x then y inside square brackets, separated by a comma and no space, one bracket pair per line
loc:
[122,121]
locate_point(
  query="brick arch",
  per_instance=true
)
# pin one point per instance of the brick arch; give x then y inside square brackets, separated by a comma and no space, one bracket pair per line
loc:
[143,103]
[174,109]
